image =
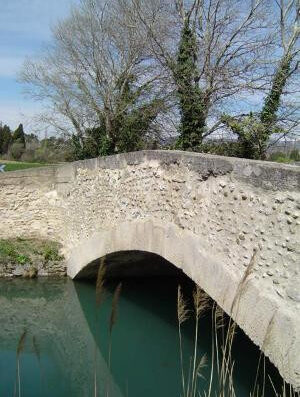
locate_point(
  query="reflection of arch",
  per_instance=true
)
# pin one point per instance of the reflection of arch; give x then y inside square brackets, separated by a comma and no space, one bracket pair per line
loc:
[49,311]
[259,314]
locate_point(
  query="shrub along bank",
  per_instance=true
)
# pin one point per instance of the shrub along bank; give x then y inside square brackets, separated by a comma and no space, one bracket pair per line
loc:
[30,258]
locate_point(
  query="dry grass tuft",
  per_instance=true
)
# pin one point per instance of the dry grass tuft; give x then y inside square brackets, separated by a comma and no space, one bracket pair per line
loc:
[243,282]
[36,348]
[201,301]
[21,343]
[182,311]
[113,319]
[100,282]
[114,309]
[201,365]
[222,366]
[20,348]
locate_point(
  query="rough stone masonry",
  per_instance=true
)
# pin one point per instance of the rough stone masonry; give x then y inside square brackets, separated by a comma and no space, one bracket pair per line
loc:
[232,225]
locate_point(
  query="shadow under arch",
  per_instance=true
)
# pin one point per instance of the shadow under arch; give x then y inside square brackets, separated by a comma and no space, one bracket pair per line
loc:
[131,264]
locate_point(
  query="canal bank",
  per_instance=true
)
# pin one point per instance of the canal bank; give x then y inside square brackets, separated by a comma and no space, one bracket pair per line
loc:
[30,258]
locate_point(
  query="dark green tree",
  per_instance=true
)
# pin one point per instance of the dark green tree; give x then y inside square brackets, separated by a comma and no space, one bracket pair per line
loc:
[128,126]
[5,139]
[19,136]
[94,143]
[191,99]
[268,115]
[254,130]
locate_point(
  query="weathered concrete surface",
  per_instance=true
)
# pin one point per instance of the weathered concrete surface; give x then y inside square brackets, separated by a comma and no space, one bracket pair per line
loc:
[205,214]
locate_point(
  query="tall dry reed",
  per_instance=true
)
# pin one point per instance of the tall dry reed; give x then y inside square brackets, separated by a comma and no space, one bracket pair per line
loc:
[221,376]
[182,316]
[100,293]
[37,353]
[112,322]
[200,302]
[20,348]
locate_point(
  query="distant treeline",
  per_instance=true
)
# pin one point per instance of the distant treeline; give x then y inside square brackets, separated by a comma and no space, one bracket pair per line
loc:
[17,145]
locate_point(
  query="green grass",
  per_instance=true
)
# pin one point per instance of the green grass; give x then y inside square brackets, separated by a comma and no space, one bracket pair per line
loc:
[25,251]
[15,165]
[281,157]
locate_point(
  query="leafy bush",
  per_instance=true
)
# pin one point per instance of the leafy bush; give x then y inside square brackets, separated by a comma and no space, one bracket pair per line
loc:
[16,150]
[51,254]
[7,249]
[23,259]
[27,251]
[221,148]
[295,155]
[279,157]
[10,250]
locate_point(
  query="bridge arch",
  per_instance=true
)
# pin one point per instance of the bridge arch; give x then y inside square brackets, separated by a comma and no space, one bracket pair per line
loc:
[181,248]
[250,306]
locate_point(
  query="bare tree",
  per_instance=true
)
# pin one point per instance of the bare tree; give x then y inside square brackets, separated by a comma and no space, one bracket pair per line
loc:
[286,106]
[233,40]
[110,59]
[255,129]
[97,70]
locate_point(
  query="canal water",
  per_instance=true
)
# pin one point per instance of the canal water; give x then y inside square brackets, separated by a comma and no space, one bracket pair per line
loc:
[55,341]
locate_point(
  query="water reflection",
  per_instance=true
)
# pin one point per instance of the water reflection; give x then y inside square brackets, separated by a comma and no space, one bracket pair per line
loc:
[67,341]
[59,350]
[145,351]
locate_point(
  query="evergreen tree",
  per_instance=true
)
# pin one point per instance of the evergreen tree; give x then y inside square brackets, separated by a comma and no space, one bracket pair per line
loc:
[19,136]
[254,131]
[272,101]
[5,139]
[127,128]
[133,119]
[191,100]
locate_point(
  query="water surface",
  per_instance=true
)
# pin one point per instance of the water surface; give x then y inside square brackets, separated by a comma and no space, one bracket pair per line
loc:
[58,336]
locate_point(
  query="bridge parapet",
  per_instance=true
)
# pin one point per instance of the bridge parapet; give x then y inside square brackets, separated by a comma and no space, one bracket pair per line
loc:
[218,219]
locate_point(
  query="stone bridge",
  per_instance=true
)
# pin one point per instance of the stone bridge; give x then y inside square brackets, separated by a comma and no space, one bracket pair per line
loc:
[231,225]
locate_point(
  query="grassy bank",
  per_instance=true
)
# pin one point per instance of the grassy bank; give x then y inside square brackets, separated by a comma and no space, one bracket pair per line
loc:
[34,255]
[18,165]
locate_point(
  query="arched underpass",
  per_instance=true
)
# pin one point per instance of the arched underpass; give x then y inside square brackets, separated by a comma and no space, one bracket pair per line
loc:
[254,309]
[148,297]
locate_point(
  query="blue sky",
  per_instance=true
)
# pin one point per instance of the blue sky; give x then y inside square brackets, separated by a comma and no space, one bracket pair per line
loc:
[25,26]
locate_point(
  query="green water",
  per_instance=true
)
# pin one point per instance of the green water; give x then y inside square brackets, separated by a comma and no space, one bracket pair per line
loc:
[63,340]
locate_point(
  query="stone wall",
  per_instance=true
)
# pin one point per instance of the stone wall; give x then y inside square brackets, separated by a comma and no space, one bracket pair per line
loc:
[218,219]
[28,270]
[27,204]
[234,216]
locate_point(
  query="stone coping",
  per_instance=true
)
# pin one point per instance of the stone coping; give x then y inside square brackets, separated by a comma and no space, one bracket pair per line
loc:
[264,174]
